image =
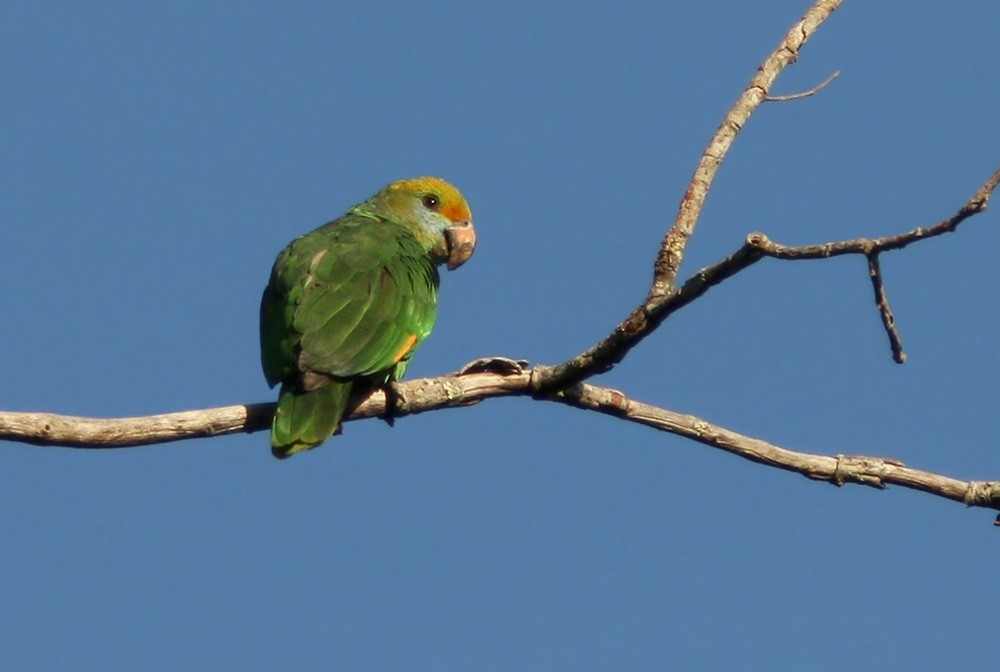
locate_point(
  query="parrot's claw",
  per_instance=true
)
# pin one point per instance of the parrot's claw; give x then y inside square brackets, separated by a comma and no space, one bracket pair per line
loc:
[391,401]
[504,366]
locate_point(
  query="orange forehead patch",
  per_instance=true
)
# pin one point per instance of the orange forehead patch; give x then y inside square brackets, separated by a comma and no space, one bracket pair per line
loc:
[453,205]
[456,212]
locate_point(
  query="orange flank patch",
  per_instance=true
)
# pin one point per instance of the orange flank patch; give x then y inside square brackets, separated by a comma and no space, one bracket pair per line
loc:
[406,349]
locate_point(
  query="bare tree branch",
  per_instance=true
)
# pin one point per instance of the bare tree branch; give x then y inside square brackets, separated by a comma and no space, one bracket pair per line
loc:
[867,246]
[642,322]
[839,469]
[454,391]
[488,378]
[50,429]
[644,319]
[668,262]
[427,394]
[872,247]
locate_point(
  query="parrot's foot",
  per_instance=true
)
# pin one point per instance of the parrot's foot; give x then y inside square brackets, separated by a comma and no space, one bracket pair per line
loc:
[391,401]
[504,366]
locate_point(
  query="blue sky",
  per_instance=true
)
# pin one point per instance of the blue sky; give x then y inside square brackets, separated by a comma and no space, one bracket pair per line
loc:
[156,159]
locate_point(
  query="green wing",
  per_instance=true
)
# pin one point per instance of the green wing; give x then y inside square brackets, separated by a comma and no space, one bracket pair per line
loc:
[350,301]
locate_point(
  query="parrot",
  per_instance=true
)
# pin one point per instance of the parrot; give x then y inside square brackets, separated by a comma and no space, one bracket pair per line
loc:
[349,303]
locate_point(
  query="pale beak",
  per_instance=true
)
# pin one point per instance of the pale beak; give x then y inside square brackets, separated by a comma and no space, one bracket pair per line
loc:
[461,240]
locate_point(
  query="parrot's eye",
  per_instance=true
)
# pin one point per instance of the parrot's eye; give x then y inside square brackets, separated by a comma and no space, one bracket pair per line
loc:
[431,202]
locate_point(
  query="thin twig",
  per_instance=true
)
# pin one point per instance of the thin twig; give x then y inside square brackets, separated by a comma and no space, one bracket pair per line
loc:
[804,94]
[867,246]
[882,303]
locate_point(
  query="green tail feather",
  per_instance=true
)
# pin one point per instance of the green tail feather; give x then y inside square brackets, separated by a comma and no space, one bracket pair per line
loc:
[306,419]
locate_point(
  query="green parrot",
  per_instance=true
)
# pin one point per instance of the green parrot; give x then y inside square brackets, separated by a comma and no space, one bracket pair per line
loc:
[349,303]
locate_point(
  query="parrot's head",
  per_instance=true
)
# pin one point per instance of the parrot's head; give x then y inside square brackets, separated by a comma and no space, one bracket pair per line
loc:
[436,213]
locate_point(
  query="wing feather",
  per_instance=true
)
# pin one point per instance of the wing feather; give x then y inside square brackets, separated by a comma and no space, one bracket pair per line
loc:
[349,299]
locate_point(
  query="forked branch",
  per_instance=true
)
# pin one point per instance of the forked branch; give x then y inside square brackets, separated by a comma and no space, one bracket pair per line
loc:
[659,301]
[871,248]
